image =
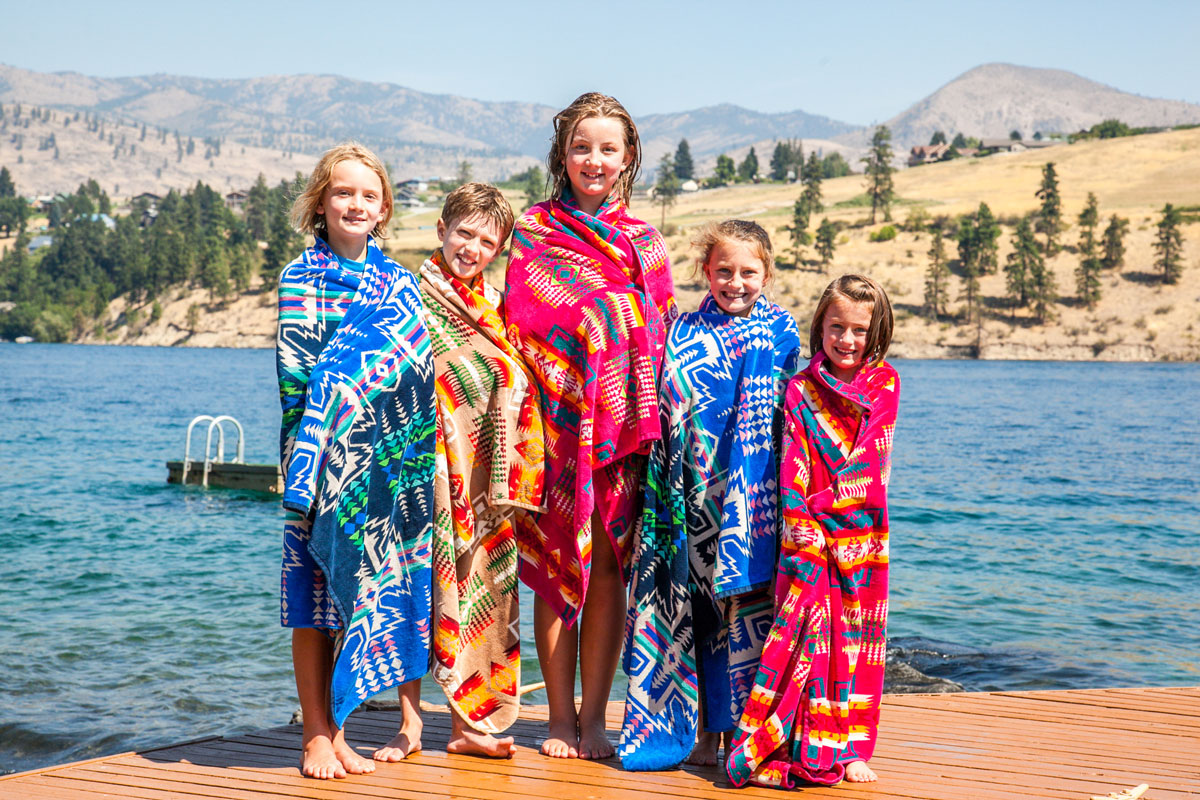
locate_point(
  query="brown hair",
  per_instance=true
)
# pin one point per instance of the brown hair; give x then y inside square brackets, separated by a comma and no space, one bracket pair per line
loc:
[857,289]
[586,106]
[739,230]
[479,198]
[304,215]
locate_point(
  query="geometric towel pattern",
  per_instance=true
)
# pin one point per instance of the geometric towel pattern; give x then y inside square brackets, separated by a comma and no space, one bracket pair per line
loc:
[588,300]
[706,548]
[814,707]
[357,453]
[490,466]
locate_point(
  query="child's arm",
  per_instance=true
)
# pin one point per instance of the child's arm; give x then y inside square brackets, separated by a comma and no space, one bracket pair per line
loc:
[802,539]
[293,363]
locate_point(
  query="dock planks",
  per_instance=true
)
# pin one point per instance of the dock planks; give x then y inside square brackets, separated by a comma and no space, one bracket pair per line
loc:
[967,746]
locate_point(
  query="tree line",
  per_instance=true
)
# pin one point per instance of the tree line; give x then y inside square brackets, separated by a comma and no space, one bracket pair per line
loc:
[187,239]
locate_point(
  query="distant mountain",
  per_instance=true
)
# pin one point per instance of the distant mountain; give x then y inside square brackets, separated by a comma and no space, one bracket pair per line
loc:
[991,100]
[420,134]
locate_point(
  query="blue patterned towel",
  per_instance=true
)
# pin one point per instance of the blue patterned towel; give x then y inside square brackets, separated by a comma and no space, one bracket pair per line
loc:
[357,447]
[706,549]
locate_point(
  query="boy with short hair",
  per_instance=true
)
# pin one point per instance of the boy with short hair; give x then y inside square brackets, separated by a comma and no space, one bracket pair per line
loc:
[489,469]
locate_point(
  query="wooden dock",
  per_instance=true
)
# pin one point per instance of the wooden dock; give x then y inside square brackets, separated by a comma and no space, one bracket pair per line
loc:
[969,746]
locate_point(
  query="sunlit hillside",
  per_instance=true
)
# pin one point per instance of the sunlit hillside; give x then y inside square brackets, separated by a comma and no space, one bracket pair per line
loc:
[1137,318]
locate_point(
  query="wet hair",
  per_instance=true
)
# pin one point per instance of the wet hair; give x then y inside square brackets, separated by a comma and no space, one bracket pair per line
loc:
[857,289]
[304,215]
[586,106]
[479,198]
[735,230]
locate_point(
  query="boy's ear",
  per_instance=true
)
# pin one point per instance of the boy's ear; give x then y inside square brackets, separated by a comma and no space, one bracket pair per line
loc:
[441,230]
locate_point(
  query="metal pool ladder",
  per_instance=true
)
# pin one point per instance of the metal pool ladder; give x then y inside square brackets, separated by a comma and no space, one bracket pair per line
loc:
[218,472]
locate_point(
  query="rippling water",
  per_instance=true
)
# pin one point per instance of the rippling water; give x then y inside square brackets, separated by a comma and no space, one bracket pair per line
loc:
[1045,526]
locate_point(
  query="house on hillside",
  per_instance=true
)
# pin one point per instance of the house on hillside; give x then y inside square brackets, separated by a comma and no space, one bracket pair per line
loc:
[927,154]
[405,196]
[38,242]
[689,186]
[149,198]
[415,184]
[236,199]
[989,146]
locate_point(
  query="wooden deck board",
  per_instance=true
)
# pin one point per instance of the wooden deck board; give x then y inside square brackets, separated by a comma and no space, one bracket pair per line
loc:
[969,746]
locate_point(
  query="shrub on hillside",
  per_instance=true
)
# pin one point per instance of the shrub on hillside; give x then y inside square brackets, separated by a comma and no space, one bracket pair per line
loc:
[884,234]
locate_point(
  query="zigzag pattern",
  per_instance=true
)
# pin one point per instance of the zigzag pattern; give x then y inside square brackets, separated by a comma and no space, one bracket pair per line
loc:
[821,671]
[356,388]
[705,547]
[588,300]
[489,452]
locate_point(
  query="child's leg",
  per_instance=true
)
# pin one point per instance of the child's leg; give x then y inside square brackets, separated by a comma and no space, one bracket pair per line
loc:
[558,648]
[859,772]
[325,752]
[408,740]
[704,754]
[465,740]
[602,630]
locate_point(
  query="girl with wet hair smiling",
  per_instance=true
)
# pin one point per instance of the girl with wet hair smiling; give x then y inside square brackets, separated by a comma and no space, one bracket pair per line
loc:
[588,301]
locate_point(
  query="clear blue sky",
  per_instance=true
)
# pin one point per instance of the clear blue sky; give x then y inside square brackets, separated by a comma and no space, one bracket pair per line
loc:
[860,62]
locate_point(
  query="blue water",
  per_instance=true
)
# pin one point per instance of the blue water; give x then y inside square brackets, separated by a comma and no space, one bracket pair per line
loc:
[1044,535]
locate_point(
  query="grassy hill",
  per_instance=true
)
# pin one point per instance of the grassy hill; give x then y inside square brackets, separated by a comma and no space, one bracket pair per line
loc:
[1136,319]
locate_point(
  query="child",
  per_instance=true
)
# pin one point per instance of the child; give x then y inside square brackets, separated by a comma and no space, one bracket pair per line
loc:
[706,553]
[589,297]
[814,710]
[357,448]
[490,465]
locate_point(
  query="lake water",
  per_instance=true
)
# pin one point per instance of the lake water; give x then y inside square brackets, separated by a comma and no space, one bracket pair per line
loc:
[1045,522]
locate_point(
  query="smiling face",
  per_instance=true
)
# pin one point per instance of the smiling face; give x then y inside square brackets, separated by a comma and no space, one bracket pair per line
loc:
[844,337]
[469,244]
[352,204]
[595,158]
[735,275]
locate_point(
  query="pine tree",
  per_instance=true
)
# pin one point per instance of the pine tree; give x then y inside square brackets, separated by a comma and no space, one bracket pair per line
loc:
[1043,290]
[1168,243]
[968,257]
[535,186]
[987,232]
[879,171]
[7,187]
[748,169]
[1022,262]
[258,209]
[666,186]
[685,169]
[725,172]
[1087,274]
[826,241]
[781,161]
[936,275]
[1113,244]
[1050,214]
[464,173]
[808,204]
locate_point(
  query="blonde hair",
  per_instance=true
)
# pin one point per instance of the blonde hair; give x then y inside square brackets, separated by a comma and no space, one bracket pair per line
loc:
[304,215]
[857,289]
[479,198]
[735,230]
[586,106]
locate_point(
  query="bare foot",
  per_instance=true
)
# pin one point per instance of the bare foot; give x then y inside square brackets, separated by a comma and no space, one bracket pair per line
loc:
[859,772]
[470,742]
[402,745]
[563,742]
[318,759]
[352,762]
[594,743]
[704,754]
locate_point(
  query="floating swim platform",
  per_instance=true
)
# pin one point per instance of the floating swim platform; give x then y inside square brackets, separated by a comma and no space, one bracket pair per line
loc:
[1072,745]
[214,470]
